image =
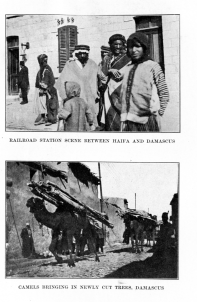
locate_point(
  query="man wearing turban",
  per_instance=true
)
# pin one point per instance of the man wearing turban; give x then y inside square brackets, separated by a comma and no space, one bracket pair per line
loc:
[112,67]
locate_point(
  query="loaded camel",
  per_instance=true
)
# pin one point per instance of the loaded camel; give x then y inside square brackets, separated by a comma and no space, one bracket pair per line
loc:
[150,234]
[136,229]
[63,220]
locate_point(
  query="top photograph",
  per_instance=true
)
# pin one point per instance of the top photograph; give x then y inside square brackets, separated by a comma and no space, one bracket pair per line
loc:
[95,73]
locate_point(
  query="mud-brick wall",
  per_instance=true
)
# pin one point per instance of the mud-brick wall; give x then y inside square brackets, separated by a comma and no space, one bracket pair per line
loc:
[109,206]
[20,192]
[87,192]
[18,212]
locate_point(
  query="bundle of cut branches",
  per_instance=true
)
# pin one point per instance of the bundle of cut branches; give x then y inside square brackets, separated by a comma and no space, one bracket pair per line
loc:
[58,197]
[135,214]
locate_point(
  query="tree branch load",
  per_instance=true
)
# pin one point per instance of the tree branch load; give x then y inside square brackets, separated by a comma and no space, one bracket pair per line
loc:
[60,198]
[136,214]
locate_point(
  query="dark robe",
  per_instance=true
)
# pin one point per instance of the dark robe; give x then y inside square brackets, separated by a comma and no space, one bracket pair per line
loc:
[45,75]
[23,82]
[112,93]
[27,243]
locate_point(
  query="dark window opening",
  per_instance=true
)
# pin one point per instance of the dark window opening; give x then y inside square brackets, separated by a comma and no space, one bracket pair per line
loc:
[152,27]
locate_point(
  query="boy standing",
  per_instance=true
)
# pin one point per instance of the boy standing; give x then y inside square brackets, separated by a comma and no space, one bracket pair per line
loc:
[75,111]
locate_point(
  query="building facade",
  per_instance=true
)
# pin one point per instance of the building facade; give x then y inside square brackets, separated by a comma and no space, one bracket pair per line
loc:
[78,181]
[28,36]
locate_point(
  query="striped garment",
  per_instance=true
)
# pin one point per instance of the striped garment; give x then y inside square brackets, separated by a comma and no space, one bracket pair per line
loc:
[110,118]
[144,92]
[162,88]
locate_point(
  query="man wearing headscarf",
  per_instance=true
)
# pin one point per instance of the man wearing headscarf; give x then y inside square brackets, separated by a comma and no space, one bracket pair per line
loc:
[144,93]
[112,67]
[75,110]
[82,70]
[45,100]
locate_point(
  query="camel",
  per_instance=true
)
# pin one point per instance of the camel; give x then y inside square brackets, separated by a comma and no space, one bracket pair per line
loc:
[136,228]
[150,234]
[63,220]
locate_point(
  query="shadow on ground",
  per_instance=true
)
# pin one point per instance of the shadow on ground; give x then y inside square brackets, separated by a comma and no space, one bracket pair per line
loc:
[153,268]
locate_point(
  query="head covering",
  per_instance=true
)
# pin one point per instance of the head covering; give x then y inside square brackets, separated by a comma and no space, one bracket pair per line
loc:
[73,89]
[140,37]
[42,58]
[27,224]
[82,48]
[117,37]
[105,49]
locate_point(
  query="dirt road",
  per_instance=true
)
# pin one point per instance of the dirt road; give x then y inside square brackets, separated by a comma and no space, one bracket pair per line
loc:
[118,262]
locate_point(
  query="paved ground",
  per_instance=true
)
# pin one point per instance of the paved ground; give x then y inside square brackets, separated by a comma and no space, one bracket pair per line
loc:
[116,262]
[21,117]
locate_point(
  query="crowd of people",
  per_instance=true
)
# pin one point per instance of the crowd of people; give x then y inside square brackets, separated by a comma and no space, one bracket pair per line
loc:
[127,91]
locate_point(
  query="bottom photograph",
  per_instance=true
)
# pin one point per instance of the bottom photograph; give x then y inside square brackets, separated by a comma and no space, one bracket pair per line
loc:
[91,220]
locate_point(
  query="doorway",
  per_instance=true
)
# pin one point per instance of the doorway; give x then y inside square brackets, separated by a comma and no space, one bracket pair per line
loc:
[13,64]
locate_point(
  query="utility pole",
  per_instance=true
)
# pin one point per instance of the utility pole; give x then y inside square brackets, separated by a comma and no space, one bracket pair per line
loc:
[101,200]
[135,201]
[101,192]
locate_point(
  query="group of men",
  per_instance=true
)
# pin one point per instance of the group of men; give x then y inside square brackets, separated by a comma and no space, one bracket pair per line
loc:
[125,92]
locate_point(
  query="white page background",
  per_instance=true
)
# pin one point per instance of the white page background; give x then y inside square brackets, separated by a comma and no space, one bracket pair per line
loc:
[183,151]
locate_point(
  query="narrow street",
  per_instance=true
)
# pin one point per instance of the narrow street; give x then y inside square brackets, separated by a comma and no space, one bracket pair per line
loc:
[116,262]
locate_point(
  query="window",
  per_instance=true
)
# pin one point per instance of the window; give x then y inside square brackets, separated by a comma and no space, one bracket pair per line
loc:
[152,27]
[67,39]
